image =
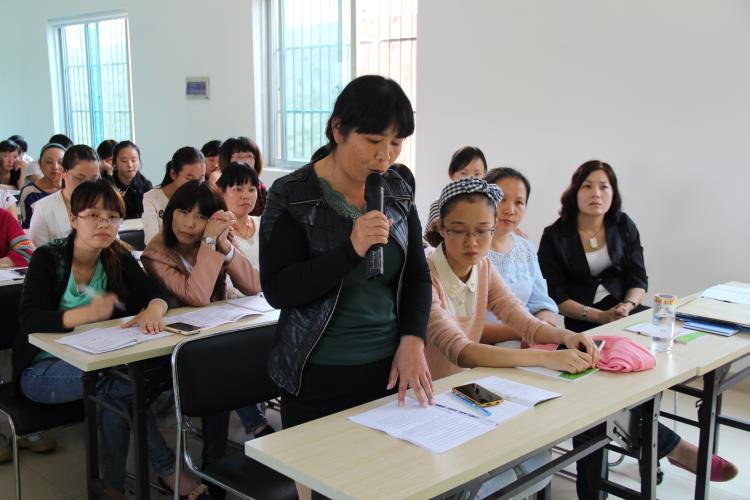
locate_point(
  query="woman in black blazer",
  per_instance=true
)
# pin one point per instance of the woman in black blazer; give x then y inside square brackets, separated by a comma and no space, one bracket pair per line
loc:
[592,256]
[592,259]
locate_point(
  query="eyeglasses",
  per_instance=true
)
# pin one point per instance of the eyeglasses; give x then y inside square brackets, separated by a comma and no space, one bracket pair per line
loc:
[94,219]
[463,234]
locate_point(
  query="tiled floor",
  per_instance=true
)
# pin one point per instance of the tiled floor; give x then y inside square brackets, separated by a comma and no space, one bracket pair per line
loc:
[60,475]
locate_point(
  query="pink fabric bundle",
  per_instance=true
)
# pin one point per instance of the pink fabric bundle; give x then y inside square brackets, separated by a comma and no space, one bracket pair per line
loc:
[620,354]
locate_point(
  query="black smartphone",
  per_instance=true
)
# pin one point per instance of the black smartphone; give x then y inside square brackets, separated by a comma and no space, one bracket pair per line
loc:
[182,328]
[598,343]
[478,394]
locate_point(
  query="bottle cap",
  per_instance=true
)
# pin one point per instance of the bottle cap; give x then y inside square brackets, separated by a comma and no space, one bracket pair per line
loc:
[666,299]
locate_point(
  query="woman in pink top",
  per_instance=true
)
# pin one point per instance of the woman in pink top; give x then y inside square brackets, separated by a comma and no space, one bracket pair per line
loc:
[465,285]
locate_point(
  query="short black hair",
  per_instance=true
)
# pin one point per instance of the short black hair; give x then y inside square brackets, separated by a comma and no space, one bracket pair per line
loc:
[433,236]
[79,152]
[370,104]
[21,141]
[124,145]
[569,198]
[238,173]
[8,146]
[240,144]
[463,156]
[184,156]
[62,140]
[105,148]
[497,174]
[211,148]
[188,195]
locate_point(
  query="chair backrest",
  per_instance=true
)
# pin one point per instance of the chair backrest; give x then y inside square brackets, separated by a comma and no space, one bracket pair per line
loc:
[136,239]
[223,372]
[10,298]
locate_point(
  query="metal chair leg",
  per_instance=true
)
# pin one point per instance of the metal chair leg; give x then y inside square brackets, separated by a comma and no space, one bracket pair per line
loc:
[16,458]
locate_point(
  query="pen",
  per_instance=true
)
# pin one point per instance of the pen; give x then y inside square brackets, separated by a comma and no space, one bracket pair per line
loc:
[481,410]
[91,293]
[448,408]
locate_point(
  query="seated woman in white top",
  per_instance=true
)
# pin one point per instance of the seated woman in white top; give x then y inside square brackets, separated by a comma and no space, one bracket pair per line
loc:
[8,202]
[187,164]
[239,185]
[515,257]
[50,161]
[52,214]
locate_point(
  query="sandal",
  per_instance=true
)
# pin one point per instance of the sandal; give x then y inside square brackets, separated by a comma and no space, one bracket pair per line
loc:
[721,469]
[200,491]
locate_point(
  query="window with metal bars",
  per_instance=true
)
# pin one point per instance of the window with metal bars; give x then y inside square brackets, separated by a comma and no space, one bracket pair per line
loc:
[94,80]
[311,60]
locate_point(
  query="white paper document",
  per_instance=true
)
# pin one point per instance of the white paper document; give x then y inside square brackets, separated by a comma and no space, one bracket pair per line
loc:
[526,395]
[100,340]
[256,303]
[433,428]
[10,275]
[728,293]
[451,422]
[211,316]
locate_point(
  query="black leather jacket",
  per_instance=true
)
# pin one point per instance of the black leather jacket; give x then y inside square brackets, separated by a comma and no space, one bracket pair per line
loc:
[305,254]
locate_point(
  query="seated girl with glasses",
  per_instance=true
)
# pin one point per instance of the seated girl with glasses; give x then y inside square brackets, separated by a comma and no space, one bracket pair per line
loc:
[465,285]
[90,276]
[52,214]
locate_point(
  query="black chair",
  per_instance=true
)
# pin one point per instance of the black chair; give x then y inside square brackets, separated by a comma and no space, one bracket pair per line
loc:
[135,239]
[219,373]
[27,418]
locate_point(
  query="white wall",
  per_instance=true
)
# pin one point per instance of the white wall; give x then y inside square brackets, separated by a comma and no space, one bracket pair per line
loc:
[169,40]
[660,90]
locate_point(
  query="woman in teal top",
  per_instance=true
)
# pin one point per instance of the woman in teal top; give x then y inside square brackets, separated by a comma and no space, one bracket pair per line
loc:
[90,277]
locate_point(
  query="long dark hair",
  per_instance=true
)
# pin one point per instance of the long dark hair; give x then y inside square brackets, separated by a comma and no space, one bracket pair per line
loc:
[209,200]
[369,105]
[569,198]
[183,156]
[463,156]
[124,145]
[88,195]
[187,196]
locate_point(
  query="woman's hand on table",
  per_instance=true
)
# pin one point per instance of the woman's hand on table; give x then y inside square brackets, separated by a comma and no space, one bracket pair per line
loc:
[573,340]
[151,319]
[409,369]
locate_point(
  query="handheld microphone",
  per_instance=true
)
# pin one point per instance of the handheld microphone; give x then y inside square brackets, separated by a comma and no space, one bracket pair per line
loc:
[374,193]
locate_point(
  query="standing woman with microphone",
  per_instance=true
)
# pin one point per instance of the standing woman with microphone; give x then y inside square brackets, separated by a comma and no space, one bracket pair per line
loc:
[344,339]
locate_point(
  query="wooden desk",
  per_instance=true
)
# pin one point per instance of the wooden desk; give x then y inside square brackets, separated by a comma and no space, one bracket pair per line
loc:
[341,459]
[137,359]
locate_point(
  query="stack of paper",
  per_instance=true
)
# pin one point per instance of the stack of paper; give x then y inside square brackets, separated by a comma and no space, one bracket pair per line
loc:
[728,293]
[451,422]
[10,275]
[99,340]
[256,303]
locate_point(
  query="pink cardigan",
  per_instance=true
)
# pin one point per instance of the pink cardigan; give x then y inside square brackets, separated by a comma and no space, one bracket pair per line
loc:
[447,335]
[196,288]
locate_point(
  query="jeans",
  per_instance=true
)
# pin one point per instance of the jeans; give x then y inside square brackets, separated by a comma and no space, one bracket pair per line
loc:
[52,381]
[215,430]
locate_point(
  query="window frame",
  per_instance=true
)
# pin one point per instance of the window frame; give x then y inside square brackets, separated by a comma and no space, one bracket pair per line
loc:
[58,64]
[273,124]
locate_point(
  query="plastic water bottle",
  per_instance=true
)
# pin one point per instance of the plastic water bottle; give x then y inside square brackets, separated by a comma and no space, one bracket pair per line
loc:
[665,307]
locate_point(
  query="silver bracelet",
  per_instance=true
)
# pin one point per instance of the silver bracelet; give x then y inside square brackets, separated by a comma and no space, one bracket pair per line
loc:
[229,256]
[585,312]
